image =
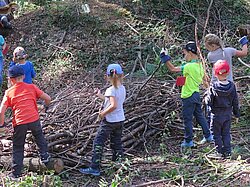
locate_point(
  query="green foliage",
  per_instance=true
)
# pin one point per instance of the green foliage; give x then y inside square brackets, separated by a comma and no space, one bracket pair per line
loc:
[25,6]
[172,173]
[120,176]
[36,180]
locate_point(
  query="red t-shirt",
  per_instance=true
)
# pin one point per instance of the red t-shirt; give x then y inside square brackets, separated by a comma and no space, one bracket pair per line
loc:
[22,97]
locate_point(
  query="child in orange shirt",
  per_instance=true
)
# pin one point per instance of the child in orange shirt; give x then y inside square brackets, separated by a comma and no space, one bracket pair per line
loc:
[21,98]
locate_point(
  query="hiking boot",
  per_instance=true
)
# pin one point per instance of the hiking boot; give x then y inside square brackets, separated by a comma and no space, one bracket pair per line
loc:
[90,171]
[215,155]
[207,140]
[185,144]
[45,158]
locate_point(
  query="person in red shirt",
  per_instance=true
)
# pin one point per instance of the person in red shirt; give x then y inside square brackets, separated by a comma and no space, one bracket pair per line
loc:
[21,98]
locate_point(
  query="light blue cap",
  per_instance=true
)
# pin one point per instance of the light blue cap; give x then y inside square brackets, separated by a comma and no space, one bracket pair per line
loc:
[116,67]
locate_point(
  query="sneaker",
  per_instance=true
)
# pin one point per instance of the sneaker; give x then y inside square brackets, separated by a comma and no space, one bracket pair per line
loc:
[207,140]
[45,157]
[227,155]
[187,144]
[90,171]
[215,155]
[13,177]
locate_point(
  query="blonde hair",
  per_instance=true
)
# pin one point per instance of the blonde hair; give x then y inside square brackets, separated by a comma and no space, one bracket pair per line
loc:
[114,78]
[212,39]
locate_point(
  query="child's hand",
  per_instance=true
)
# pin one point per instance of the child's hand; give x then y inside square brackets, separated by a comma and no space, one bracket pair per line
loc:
[243,40]
[164,55]
[98,94]
[101,115]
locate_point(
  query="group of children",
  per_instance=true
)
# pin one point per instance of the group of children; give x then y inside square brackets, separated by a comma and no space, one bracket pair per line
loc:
[221,99]
[21,97]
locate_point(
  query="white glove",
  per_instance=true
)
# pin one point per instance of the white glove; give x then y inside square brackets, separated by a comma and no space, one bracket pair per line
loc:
[164,50]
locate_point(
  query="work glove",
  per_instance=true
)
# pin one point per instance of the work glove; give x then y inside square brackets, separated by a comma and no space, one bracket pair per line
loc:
[243,40]
[164,55]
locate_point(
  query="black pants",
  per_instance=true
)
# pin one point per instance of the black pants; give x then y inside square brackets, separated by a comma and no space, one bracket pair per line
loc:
[19,137]
[106,130]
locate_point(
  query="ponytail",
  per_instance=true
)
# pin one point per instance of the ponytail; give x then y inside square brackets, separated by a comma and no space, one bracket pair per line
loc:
[114,78]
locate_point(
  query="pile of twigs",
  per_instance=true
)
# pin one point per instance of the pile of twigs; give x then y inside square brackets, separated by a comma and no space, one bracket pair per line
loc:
[71,122]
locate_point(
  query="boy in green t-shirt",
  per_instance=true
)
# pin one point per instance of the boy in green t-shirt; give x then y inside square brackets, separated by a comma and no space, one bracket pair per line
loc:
[193,73]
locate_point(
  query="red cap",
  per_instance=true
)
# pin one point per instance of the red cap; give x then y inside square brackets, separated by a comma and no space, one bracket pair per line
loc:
[221,67]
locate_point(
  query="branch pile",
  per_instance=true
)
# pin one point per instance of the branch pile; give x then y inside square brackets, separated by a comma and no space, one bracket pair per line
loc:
[70,124]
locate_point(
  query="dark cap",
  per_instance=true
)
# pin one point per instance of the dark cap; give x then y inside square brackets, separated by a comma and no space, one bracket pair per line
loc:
[15,71]
[191,46]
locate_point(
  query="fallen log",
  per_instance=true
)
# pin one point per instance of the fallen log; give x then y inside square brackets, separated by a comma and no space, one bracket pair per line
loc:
[34,164]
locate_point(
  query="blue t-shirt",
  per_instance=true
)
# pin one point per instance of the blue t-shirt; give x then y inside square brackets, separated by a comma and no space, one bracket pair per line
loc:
[1,45]
[29,71]
[2,3]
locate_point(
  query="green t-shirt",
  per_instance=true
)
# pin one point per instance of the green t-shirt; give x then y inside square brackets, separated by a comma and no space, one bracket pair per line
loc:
[194,72]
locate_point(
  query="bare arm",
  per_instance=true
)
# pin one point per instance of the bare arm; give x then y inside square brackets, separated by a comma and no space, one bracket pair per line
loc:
[46,98]
[2,112]
[172,68]
[111,108]
[242,52]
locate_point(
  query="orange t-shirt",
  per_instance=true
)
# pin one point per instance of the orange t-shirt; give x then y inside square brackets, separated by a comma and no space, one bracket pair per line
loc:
[22,97]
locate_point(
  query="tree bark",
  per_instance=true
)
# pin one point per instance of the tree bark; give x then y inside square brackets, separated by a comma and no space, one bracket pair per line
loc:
[34,164]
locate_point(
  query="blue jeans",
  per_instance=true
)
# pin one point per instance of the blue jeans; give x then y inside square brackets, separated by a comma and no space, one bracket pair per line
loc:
[106,130]
[192,107]
[19,136]
[221,125]
[1,70]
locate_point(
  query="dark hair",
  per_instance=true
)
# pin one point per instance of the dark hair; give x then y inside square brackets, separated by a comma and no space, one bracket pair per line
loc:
[191,46]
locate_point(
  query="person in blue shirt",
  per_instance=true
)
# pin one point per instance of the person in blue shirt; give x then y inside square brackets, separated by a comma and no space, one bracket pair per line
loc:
[19,58]
[2,46]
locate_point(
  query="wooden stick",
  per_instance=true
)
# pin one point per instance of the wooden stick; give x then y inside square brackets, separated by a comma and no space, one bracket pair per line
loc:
[207,19]
[241,61]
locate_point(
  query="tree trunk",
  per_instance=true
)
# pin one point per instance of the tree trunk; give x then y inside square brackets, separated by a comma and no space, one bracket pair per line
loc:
[34,164]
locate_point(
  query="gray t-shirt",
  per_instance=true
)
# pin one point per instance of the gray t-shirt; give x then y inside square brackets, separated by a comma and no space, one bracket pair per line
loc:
[120,94]
[225,54]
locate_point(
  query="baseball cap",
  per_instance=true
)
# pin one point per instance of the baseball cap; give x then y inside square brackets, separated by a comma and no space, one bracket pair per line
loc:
[15,71]
[191,46]
[19,53]
[114,68]
[221,67]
